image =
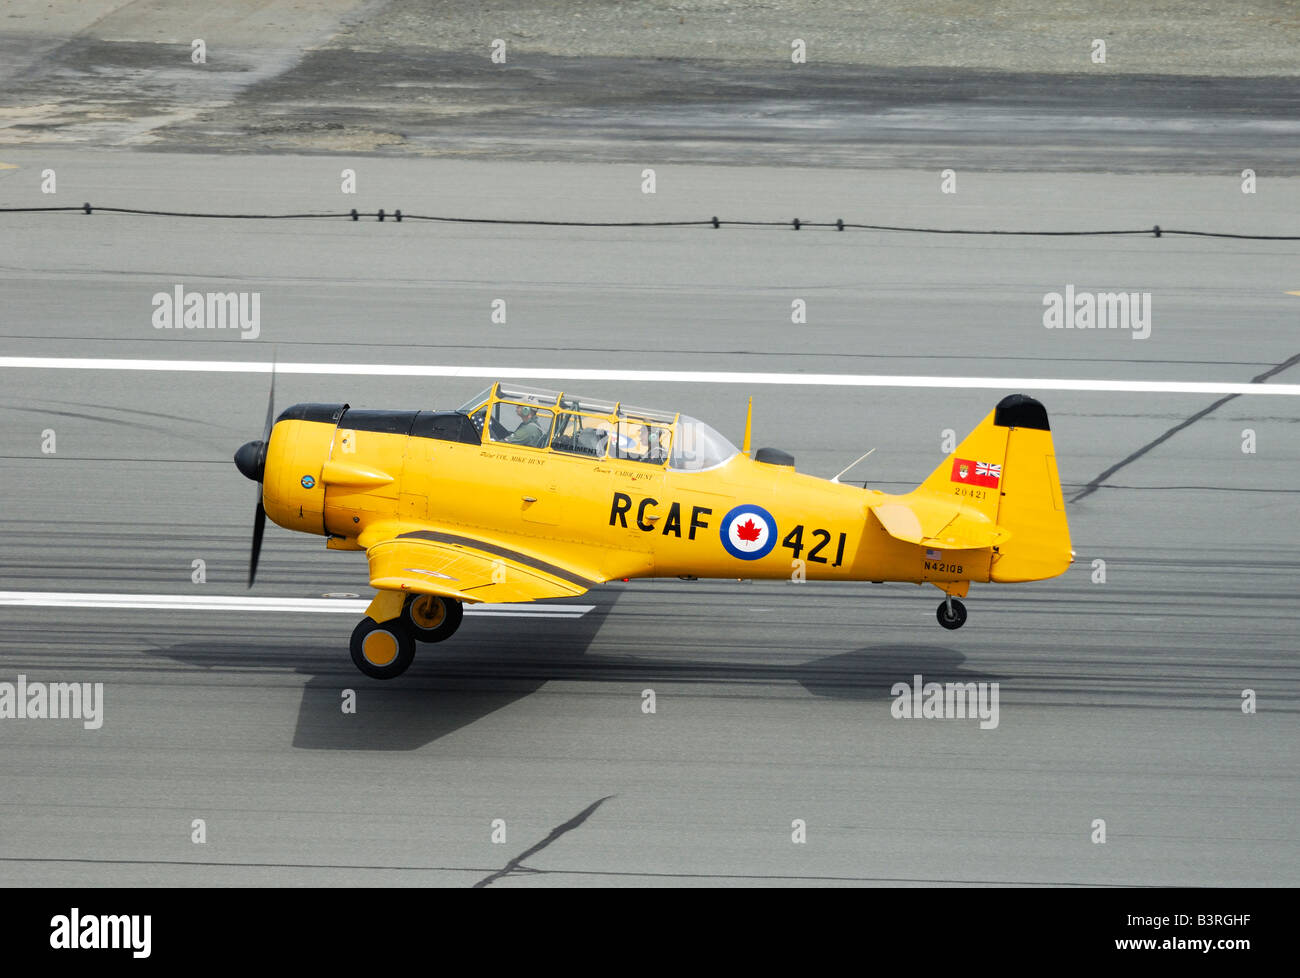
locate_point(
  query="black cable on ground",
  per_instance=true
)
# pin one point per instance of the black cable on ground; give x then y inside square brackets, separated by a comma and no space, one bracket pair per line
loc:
[713,222]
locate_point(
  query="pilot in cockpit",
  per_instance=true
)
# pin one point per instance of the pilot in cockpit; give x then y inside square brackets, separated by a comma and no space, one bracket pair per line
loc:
[530,431]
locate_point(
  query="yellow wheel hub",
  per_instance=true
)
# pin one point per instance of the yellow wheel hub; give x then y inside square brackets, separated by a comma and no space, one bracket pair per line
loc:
[428,611]
[379,648]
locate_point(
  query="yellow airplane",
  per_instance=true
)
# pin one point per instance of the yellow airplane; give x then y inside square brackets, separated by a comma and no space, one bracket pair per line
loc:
[523,494]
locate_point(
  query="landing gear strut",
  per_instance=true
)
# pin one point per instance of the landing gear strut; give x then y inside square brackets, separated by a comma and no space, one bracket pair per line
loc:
[951,613]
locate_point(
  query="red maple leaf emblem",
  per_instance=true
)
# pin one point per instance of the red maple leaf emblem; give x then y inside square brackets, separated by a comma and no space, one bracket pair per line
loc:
[747,531]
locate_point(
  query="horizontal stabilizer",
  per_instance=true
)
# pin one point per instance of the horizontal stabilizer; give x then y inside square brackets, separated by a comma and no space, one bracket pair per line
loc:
[939,523]
[900,522]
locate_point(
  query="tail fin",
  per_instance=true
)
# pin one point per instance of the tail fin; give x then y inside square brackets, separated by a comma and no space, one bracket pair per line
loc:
[1005,472]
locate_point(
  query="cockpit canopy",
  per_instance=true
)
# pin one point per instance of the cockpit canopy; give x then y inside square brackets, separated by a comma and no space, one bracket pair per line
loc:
[581,426]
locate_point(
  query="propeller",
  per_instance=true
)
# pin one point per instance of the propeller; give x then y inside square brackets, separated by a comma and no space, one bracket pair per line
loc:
[250,459]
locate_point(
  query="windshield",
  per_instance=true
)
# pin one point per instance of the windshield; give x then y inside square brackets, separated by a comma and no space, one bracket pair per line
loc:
[699,446]
[477,401]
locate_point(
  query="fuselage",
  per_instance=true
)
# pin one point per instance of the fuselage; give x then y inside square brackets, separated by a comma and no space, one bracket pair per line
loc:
[357,475]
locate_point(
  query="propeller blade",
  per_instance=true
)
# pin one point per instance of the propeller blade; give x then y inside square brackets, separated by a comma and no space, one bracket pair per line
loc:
[270,405]
[259,525]
[258,464]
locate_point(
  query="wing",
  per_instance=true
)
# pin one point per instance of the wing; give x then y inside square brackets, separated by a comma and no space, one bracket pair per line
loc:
[456,565]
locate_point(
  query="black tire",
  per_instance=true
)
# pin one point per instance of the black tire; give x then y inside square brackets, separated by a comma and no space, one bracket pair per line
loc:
[382,650]
[431,618]
[958,614]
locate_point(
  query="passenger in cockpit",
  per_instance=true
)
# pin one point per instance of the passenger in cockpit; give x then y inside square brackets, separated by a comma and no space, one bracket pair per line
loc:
[633,441]
[658,452]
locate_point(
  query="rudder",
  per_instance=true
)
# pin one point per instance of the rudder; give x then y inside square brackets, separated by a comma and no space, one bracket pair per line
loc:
[1032,506]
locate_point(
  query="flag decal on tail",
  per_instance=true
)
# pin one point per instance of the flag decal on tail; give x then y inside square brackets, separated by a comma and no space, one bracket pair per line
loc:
[972,473]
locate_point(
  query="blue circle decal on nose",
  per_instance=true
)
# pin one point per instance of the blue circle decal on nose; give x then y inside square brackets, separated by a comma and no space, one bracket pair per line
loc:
[308,482]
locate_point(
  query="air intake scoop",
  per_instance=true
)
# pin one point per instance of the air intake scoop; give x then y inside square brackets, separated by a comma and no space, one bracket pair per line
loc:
[774,456]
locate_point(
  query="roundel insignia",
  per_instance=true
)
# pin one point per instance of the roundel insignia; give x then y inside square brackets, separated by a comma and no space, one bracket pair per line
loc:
[308,482]
[748,532]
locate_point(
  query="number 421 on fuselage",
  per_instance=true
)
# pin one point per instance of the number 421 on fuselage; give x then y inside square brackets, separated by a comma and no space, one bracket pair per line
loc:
[524,494]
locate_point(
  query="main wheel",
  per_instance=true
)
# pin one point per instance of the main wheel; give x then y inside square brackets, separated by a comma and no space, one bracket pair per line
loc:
[956,619]
[382,650]
[432,618]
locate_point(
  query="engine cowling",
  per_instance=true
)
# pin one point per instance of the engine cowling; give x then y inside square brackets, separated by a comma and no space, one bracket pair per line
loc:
[293,490]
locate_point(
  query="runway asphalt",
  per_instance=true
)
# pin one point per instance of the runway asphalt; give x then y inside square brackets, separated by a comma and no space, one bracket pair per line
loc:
[1119,700]
[1021,86]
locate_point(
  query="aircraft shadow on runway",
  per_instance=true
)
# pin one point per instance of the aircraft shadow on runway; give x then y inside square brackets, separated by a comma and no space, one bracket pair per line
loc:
[495,662]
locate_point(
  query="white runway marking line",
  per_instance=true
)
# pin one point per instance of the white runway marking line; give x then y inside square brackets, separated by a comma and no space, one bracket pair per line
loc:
[654,376]
[181,602]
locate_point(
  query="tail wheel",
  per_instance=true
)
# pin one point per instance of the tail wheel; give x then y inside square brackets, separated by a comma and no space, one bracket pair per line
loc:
[382,650]
[432,618]
[954,619]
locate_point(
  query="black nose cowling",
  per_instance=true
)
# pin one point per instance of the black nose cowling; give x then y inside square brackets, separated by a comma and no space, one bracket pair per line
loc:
[251,460]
